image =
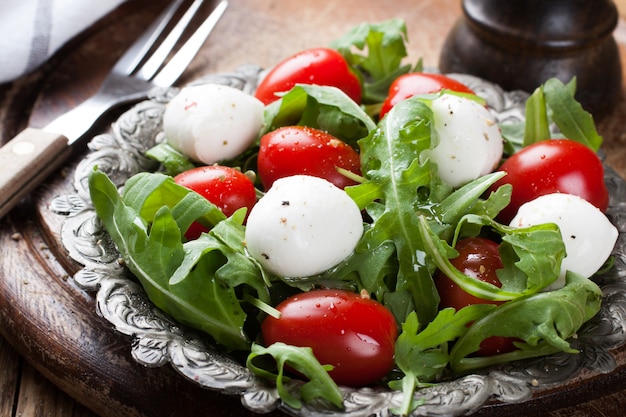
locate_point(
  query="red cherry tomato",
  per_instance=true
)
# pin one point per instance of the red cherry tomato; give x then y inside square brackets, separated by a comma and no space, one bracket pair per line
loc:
[321,66]
[553,166]
[353,333]
[228,188]
[478,258]
[294,150]
[414,83]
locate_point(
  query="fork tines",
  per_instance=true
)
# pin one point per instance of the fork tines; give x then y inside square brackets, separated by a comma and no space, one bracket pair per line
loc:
[144,58]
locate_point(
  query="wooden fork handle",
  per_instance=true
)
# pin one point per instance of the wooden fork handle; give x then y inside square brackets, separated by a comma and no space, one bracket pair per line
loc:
[26,161]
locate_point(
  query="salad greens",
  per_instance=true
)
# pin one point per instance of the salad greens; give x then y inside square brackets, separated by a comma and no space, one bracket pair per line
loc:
[554,102]
[424,355]
[197,282]
[544,321]
[321,107]
[419,223]
[384,47]
[319,384]
[414,220]
[174,162]
[393,175]
[526,269]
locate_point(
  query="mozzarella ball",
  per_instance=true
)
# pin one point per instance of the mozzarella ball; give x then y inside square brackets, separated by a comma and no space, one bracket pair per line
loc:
[212,122]
[469,144]
[588,234]
[303,226]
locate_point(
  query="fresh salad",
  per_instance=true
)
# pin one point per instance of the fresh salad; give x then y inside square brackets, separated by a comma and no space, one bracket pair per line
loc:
[361,222]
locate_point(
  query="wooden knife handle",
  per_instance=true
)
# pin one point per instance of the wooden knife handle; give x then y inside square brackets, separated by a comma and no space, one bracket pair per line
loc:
[26,161]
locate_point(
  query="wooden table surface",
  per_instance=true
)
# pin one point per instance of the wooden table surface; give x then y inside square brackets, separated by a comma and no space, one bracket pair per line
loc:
[25,391]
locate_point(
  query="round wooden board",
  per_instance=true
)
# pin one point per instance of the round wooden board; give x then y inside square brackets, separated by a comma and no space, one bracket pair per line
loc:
[53,323]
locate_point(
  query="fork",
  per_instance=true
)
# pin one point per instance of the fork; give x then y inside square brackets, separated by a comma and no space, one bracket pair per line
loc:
[34,154]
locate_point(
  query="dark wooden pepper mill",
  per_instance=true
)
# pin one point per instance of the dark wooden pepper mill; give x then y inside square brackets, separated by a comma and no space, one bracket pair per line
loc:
[519,44]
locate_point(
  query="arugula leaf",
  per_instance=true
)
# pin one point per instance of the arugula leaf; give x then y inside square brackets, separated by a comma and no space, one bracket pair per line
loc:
[148,192]
[423,356]
[368,268]
[439,250]
[385,43]
[196,282]
[399,189]
[319,385]
[384,49]
[173,161]
[572,120]
[390,164]
[461,201]
[543,321]
[513,135]
[321,107]
[537,123]
[555,102]
[527,269]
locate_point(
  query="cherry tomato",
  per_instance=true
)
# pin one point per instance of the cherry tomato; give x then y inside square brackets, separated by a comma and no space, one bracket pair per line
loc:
[294,150]
[478,258]
[414,83]
[228,188]
[553,166]
[321,66]
[353,333]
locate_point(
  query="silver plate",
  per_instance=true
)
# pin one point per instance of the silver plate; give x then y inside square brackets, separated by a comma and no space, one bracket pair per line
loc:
[156,339]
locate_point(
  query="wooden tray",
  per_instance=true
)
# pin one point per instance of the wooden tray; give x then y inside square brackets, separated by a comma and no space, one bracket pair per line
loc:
[53,323]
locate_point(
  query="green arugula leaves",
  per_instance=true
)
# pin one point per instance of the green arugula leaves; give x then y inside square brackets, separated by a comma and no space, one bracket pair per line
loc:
[199,283]
[394,174]
[320,107]
[553,103]
[383,48]
[540,323]
[319,386]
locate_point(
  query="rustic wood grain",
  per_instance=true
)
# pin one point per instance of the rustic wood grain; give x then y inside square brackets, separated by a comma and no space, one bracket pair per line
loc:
[52,323]
[39,397]
[10,363]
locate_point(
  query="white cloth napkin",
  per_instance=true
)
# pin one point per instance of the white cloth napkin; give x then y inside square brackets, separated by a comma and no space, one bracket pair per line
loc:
[32,30]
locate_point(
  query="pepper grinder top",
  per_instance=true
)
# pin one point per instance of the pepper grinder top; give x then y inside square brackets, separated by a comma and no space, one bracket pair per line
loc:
[519,44]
